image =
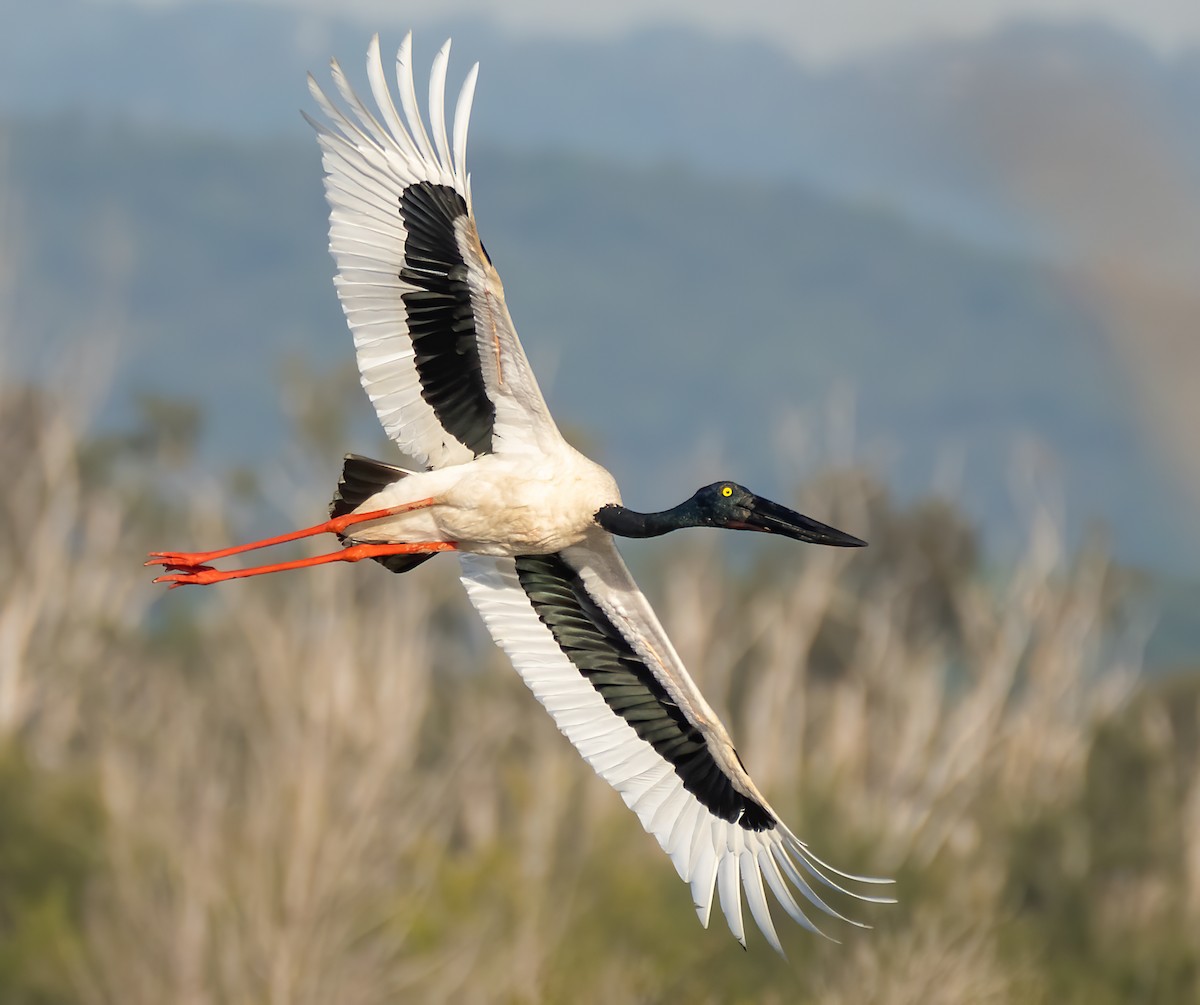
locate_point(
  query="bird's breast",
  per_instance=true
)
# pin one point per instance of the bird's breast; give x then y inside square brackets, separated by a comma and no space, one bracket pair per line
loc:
[526,507]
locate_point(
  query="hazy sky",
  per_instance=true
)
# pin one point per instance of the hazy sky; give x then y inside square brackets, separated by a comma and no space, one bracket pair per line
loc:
[817,29]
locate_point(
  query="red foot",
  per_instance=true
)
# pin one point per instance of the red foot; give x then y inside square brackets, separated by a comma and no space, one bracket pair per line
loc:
[201,575]
[184,561]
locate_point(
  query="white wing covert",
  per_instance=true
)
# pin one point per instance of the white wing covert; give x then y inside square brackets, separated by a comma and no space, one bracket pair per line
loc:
[437,350]
[586,642]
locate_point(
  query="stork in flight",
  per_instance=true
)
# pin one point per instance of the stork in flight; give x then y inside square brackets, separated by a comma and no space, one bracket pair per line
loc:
[531,519]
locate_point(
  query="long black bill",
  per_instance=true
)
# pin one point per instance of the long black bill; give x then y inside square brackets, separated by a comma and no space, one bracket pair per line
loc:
[771,518]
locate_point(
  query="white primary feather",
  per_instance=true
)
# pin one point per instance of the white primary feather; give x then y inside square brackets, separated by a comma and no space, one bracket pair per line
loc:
[380,89]
[437,102]
[408,98]
[462,119]
[728,875]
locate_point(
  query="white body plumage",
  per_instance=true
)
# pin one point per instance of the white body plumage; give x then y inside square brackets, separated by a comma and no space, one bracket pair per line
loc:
[497,504]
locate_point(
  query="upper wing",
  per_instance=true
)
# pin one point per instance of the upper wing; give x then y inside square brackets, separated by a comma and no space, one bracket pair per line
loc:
[586,642]
[439,357]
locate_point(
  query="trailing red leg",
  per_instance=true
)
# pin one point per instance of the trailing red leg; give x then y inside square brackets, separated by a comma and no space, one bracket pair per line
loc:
[197,561]
[199,575]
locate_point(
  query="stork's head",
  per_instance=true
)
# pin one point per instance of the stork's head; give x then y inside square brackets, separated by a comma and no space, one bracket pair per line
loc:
[730,505]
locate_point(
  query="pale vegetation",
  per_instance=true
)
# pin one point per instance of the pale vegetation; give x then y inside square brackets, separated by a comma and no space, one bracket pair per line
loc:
[329,787]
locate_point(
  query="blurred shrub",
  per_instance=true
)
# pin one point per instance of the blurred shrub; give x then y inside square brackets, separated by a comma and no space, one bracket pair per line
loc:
[50,847]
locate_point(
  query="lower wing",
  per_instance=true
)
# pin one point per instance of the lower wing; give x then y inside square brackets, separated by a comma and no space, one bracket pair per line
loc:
[584,640]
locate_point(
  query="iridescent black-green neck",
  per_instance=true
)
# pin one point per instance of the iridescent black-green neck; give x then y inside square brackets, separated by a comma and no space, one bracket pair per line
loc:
[724,504]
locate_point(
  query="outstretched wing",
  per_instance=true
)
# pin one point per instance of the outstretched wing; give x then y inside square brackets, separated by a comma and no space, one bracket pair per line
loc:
[439,357]
[586,642]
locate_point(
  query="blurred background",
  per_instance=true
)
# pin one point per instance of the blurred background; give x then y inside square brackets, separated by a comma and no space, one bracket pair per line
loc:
[930,271]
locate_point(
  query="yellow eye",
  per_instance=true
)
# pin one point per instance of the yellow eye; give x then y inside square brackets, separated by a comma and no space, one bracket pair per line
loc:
[727,491]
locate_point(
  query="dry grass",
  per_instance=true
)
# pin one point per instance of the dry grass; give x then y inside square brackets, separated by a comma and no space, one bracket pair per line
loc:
[327,787]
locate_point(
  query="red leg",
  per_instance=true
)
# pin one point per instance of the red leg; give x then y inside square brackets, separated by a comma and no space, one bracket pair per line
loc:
[193,561]
[203,575]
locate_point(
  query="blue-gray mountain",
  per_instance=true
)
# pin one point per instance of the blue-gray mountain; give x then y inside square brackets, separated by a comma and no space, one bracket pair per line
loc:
[894,128]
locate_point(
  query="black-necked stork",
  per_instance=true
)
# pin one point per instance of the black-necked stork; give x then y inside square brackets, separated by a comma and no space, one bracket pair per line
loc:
[531,519]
